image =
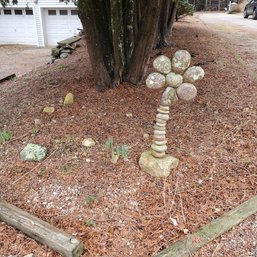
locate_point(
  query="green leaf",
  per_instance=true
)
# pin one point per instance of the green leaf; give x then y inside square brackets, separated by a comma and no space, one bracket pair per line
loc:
[91,223]
[91,199]
[5,136]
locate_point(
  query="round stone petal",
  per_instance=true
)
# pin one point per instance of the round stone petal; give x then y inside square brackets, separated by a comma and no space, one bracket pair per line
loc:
[186,91]
[155,80]
[173,95]
[162,64]
[174,80]
[180,61]
[193,74]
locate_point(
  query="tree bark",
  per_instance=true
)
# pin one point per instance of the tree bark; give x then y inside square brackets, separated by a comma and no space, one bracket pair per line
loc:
[120,35]
[98,41]
[144,42]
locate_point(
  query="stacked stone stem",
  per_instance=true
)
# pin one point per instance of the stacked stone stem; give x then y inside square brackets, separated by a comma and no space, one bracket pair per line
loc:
[159,145]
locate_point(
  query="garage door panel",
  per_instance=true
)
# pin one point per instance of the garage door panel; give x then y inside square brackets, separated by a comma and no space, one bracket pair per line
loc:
[59,27]
[17,29]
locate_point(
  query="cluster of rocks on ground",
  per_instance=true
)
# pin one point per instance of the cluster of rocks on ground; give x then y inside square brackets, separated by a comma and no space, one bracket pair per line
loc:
[37,153]
[65,48]
[61,52]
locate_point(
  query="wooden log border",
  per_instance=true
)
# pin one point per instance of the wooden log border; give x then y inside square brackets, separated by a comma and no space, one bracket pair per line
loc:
[8,77]
[192,242]
[41,231]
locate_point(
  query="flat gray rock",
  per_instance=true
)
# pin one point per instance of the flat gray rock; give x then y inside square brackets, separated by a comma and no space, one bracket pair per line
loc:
[64,55]
[33,152]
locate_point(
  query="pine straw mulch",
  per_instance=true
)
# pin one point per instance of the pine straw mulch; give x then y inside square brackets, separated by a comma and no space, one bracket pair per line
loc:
[214,137]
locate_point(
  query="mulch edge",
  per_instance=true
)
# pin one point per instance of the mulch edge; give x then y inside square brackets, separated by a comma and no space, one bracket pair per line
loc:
[192,242]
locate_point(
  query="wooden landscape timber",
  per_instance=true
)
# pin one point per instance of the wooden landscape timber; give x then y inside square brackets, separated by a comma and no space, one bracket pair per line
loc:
[41,231]
[69,41]
[192,242]
[11,76]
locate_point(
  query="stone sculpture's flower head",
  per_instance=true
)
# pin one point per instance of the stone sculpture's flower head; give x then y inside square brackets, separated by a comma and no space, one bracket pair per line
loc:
[177,74]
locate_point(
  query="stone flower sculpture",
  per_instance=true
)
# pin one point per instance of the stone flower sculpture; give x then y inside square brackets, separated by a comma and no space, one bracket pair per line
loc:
[178,78]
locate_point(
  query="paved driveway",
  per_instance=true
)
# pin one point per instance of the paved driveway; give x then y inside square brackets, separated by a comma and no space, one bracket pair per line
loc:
[20,59]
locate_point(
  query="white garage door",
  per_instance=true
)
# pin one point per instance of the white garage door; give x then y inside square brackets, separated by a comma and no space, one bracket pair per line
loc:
[17,26]
[61,24]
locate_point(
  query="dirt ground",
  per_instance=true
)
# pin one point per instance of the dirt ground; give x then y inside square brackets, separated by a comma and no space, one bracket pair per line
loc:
[131,213]
[20,59]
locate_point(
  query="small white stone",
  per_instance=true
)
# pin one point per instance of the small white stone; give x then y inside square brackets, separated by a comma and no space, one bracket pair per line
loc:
[88,142]
[146,136]
[37,122]
[185,231]
[174,222]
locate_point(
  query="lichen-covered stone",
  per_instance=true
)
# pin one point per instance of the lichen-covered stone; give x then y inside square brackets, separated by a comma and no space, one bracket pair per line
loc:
[159,128]
[162,64]
[163,111]
[165,108]
[169,96]
[160,124]
[155,80]
[161,116]
[159,133]
[49,110]
[180,61]
[186,91]
[193,74]
[157,167]
[159,137]
[162,142]
[174,80]
[69,99]
[159,148]
[173,95]
[158,155]
[33,152]
[64,55]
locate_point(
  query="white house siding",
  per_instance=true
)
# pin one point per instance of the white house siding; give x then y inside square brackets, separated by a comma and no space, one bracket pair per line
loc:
[48,30]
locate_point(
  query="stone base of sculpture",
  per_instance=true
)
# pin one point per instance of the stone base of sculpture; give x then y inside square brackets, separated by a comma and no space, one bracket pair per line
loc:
[157,167]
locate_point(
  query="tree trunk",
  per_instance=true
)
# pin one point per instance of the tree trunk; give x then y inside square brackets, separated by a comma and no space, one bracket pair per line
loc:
[120,35]
[166,20]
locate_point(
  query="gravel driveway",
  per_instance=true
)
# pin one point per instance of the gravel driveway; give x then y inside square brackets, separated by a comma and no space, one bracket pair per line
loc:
[234,21]
[20,59]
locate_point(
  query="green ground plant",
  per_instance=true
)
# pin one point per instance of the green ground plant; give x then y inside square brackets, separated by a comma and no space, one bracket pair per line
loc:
[116,152]
[5,136]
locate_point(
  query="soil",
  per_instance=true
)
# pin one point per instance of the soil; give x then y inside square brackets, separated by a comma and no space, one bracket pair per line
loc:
[114,208]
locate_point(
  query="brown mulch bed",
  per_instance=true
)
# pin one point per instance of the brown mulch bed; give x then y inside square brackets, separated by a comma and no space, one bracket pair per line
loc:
[214,137]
